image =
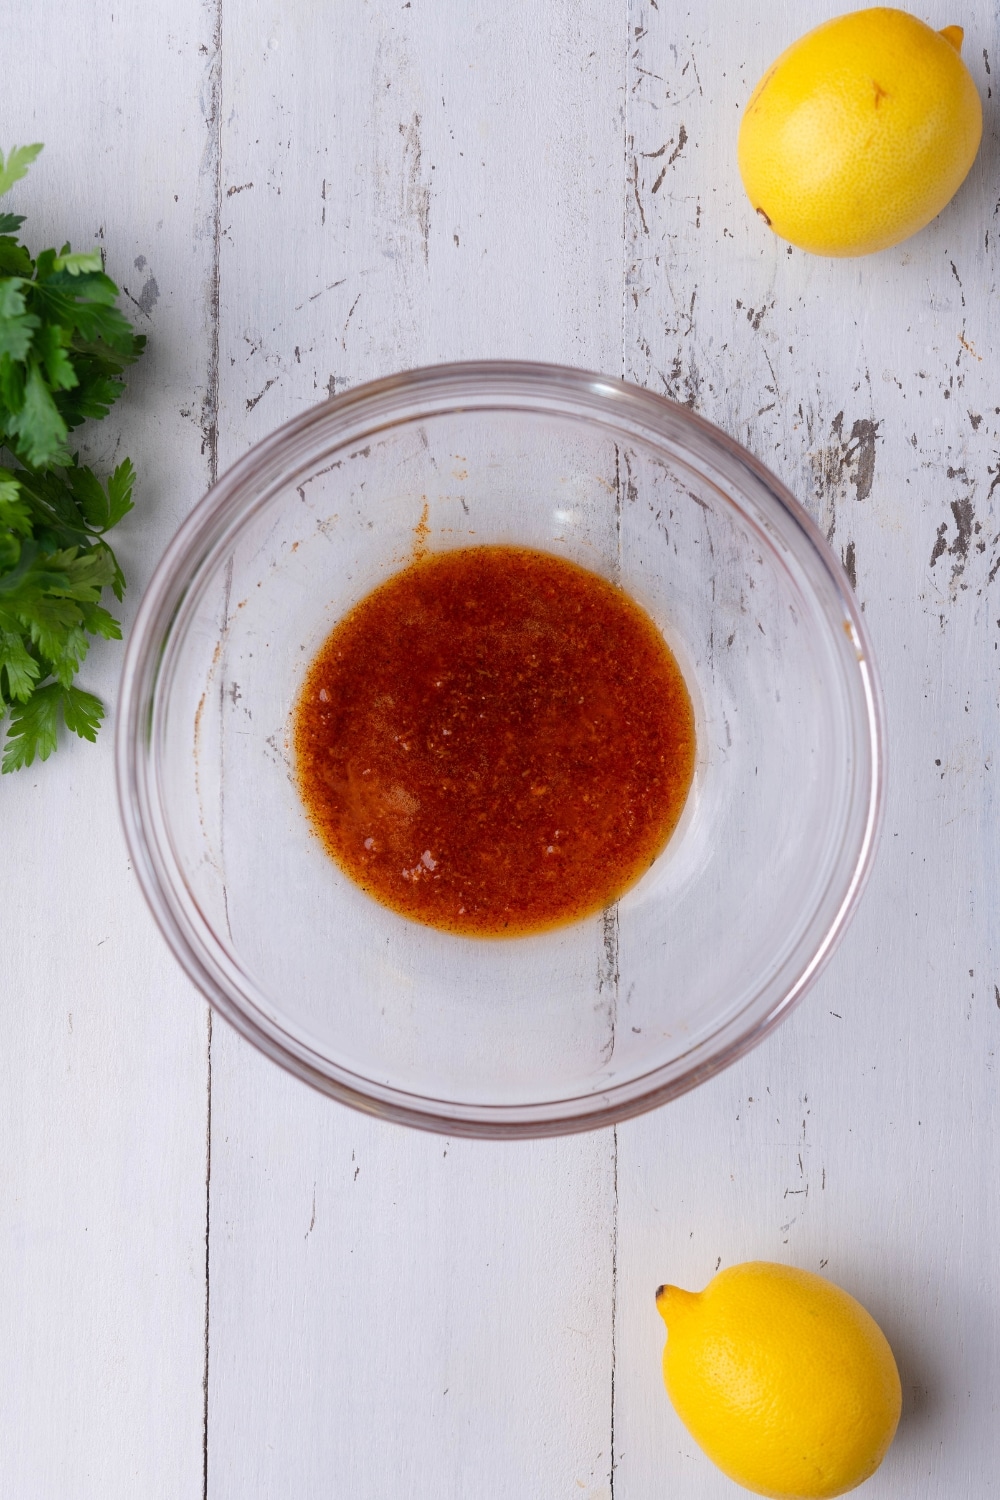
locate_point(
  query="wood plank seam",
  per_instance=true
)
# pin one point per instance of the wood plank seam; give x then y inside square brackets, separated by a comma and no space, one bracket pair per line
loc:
[210,441]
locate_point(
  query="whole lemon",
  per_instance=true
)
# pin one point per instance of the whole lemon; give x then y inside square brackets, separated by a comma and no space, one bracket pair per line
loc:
[784,1380]
[860,132]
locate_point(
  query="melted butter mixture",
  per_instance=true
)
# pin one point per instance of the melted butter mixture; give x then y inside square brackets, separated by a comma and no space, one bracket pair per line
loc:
[494,742]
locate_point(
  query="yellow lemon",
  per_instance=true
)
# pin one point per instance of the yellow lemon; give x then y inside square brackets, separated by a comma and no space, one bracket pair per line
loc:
[784,1380]
[860,132]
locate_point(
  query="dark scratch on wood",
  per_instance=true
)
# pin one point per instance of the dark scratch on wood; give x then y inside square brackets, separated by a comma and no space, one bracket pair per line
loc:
[860,450]
[964,516]
[261,394]
[682,140]
[212,165]
[608,977]
[350,315]
[855,453]
[321,293]
[638,200]
[756,315]
[966,526]
[150,293]
[851,566]
[940,544]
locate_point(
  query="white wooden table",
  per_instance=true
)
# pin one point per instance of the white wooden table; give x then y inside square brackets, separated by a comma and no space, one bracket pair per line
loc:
[214,1283]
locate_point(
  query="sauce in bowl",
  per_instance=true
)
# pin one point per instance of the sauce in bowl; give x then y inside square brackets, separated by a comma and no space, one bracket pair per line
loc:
[494,742]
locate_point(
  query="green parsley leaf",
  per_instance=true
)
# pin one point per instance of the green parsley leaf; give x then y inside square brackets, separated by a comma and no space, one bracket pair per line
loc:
[33,728]
[19,671]
[17,325]
[103,507]
[50,346]
[54,626]
[34,725]
[15,513]
[17,165]
[14,259]
[83,712]
[64,346]
[82,260]
[36,425]
[15,521]
[99,621]
[120,487]
[11,388]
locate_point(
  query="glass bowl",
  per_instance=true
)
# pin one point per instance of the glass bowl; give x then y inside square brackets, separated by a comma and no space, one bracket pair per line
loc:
[575,1027]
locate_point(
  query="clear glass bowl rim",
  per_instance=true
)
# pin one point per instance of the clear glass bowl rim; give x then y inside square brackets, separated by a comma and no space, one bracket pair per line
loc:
[437,390]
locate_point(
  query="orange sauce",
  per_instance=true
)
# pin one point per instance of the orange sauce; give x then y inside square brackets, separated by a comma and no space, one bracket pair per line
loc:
[494,742]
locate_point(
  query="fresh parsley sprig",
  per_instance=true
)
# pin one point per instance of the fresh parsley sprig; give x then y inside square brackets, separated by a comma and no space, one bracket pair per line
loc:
[64,345]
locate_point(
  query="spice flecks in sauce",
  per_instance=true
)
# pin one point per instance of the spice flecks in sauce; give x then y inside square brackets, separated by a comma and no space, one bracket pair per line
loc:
[495,742]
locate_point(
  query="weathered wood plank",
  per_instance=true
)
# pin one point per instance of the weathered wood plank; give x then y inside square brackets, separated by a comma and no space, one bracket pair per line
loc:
[393,1313]
[857,1140]
[103,1095]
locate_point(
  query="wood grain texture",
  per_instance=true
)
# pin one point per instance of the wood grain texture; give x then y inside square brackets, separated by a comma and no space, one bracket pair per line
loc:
[103,1093]
[393,1313]
[859,1139]
[298,198]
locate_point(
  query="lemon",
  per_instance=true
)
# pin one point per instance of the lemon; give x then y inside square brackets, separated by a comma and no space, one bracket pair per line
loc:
[784,1380]
[860,133]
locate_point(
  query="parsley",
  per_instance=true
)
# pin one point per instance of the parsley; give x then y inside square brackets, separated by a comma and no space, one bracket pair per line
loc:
[63,347]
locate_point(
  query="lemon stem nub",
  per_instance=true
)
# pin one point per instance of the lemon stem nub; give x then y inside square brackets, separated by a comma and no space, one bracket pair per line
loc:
[955,35]
[671,1300]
